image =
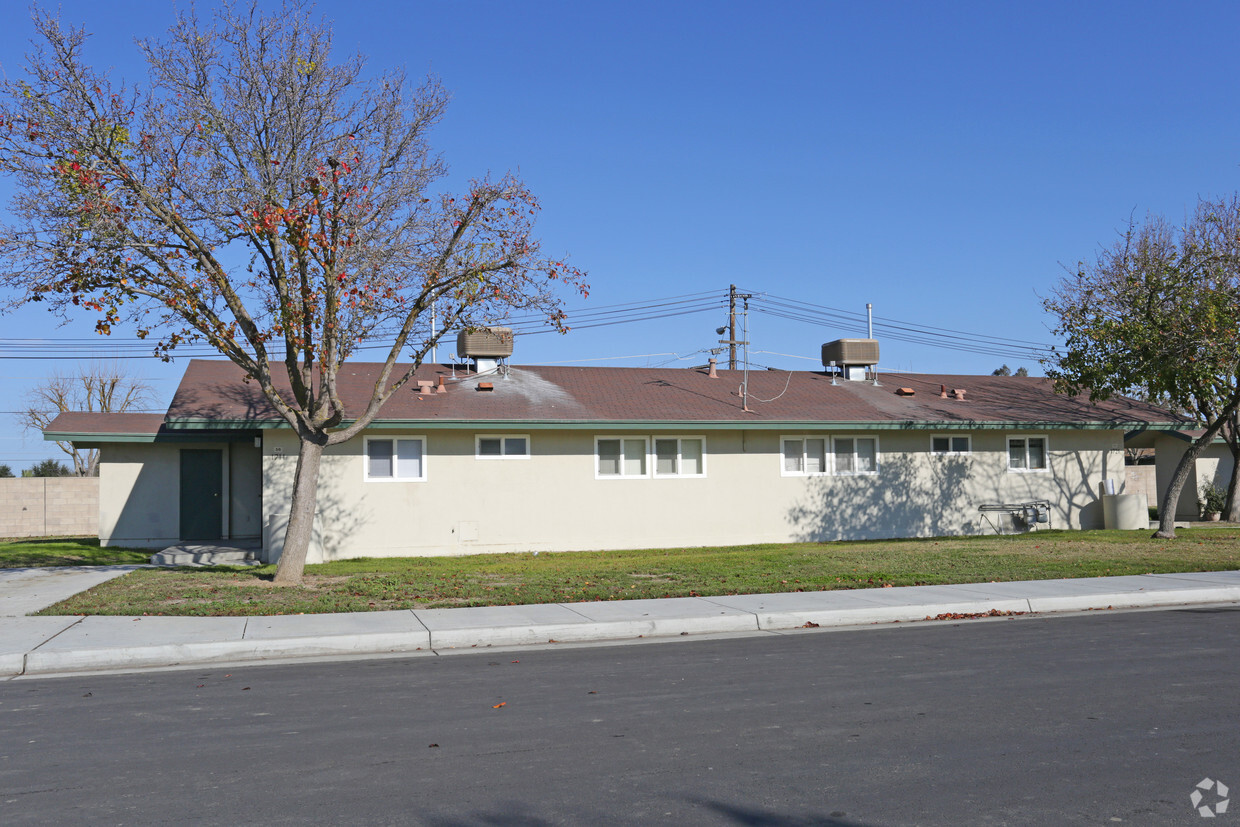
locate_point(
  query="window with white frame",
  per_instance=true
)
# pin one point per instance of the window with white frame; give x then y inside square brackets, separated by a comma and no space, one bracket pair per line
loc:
[683,456]
[855,454]
[621,456]
[1027,453]
[391,459]
[950,444]
[502,446]
[804,456]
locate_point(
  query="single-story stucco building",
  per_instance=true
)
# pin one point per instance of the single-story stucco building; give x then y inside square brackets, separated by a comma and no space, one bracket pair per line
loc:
[1213,466]
[537,458]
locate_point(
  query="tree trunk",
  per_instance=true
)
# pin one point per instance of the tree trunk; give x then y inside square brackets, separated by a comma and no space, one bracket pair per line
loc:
[1166,509]
[1232,511]
[301,513]
[1171,497]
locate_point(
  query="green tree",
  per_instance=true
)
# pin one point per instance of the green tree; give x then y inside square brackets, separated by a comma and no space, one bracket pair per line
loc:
[1004,370]
[6,472]
[1158,314]
[260,197]
[50,468]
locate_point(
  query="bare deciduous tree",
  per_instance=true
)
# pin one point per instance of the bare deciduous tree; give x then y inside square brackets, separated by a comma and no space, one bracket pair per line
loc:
[257,196]
[102,387]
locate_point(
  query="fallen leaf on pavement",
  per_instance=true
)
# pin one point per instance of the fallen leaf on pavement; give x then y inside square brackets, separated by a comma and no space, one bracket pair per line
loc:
[969,615]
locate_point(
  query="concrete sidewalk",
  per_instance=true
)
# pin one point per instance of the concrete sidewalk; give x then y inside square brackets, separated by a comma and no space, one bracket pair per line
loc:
[57,645]
[23,591]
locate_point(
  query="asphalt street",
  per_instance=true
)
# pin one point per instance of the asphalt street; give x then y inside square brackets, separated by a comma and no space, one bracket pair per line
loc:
[1110,718]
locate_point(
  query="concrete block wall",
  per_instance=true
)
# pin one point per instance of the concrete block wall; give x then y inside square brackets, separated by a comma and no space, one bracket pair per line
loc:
[49,506]
[1142,479]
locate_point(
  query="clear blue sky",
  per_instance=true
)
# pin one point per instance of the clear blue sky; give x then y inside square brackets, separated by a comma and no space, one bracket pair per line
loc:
[940,160]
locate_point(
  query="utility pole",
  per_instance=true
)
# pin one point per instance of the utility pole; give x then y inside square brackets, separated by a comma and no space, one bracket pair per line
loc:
[732,327]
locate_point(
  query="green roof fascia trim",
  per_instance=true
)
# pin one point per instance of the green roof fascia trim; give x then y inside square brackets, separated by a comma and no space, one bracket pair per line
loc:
[1181,435]
[688,424]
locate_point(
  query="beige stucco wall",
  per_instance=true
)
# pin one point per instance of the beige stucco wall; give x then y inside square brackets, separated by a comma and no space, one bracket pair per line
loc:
[553,501]
[1213,465]
[140,493]
[49,506]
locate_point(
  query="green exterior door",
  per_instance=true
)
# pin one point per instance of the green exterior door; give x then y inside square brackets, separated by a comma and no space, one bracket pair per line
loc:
[202,493]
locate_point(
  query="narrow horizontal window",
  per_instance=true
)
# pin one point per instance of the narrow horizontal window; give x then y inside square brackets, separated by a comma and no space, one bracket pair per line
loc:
[951,445]
[502,446]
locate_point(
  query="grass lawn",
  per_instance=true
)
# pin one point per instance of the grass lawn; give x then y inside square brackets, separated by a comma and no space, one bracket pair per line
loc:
[66,551]
[503,579]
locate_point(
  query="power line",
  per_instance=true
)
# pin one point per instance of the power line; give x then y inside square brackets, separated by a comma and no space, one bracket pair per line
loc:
[893,323]
[598,317]
[899,330]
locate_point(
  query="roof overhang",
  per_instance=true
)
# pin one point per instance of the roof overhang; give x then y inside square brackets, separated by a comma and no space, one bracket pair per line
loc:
[163,435]
[200,426]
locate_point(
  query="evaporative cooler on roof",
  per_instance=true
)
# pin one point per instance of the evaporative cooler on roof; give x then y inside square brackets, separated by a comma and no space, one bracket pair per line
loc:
[485,345]
[487,342]
[853,356]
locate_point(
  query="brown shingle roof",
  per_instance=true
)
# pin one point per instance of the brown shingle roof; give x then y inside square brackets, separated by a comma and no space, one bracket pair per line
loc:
[213,391]
[79,422]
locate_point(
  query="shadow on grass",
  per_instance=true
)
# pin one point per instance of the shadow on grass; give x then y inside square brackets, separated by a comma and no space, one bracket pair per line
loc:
[267,573]
[46,552]
[48,541]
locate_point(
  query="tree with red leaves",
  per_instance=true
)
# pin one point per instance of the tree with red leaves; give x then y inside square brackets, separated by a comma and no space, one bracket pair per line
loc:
[260,198]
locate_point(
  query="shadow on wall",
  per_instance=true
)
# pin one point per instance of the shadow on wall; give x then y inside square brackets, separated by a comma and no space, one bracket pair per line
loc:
[336,519]
[1083,500]
[917,495]
[901,500]
[149,515]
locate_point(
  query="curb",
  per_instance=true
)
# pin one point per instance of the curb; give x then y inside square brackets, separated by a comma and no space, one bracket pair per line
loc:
[65,646]
[215,652]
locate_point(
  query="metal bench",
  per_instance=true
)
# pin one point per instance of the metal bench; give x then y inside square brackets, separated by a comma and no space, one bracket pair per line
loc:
[1032,513]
